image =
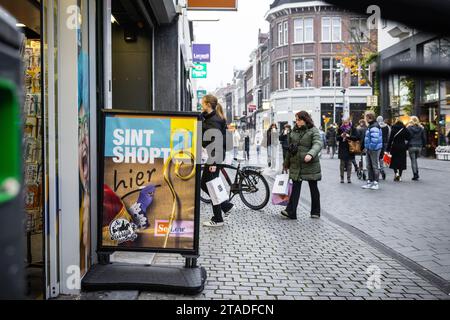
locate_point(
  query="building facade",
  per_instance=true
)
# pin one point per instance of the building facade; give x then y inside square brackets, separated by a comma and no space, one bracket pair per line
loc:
[402,96]
[306,39]
[81,57]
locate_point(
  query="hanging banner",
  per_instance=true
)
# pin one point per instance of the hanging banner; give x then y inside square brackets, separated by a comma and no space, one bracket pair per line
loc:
[201,53]
[200,71]
[150,199]
[212,5]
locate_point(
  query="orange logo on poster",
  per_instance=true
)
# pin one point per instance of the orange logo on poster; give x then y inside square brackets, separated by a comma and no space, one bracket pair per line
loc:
[162,228]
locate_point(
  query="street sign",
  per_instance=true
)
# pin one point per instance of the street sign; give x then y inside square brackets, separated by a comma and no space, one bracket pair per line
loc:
[372,101]
[201,94]
[200,71]
[230,5]
[201,53]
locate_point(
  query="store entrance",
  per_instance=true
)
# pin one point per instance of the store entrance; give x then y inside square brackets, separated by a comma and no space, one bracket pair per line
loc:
[430,118]
[28,16]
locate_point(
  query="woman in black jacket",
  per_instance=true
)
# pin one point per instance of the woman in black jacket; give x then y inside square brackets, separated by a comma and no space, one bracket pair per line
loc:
[397,147]
[212,121]
[346,132]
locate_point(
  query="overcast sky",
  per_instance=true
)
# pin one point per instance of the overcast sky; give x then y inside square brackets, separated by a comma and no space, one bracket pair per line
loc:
[232,39]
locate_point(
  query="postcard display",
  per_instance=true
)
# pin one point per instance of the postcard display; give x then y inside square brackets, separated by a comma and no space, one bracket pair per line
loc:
[32,135]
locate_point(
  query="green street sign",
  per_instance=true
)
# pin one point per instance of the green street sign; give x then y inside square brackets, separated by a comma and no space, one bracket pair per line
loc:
[201,94]
[200,71]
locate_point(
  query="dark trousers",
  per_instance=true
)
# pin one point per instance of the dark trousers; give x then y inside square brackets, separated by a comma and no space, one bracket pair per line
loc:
[295,198]
[346,165]
[217,210]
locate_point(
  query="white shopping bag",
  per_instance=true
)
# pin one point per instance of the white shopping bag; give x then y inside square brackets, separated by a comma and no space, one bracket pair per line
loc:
[281,185]
[217,191]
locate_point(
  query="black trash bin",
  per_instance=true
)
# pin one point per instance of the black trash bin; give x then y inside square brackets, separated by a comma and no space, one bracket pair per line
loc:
[12,230]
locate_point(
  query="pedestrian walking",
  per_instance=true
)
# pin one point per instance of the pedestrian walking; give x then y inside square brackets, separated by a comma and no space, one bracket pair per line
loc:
[272,137]
[386,130]
[247,146]
[303,164]
[331,141]
[346,132]
[448,138]
[258,142]
[397,147]
[236,143]
[417,142]
[212,121]
[323,137]
[284,139]
[373,143]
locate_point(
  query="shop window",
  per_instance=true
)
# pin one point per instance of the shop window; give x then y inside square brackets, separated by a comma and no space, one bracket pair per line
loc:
[303,30]
[358,30]
[358,80]
[304,73]
[331,29]
[331,74]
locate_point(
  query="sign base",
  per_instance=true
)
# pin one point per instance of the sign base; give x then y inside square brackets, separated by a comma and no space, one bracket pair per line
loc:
[178,280]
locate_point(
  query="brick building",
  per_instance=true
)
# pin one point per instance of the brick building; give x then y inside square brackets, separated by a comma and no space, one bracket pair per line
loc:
[306,37]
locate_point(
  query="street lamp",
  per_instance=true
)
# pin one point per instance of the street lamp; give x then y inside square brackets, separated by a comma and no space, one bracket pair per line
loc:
[340,69]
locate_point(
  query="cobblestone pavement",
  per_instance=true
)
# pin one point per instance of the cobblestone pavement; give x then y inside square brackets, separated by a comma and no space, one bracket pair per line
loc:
[260,255]
[411,218]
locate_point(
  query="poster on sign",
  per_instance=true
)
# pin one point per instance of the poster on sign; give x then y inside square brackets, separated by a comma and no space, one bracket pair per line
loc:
[150,177]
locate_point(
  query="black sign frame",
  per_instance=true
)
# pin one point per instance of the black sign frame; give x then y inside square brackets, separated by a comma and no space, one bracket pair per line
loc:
[101,249]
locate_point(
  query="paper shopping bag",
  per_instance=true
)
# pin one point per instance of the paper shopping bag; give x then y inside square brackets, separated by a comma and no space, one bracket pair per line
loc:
[282,200]
[281,185]
[217,191]
[387,159]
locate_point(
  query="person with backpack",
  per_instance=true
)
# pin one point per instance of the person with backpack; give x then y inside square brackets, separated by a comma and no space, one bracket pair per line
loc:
[373,144]
[417,141]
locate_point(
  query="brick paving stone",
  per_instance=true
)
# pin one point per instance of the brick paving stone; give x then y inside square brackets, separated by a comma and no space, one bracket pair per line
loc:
[271,257]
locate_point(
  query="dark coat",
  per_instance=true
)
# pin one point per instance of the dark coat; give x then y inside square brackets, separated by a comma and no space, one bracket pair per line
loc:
[344,148]
[284,139]
[331,137]
[213,121]
[309,142]
[397,146]
[418,137]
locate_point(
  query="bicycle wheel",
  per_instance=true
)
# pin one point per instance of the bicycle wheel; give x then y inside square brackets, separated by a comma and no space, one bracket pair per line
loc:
[254,190]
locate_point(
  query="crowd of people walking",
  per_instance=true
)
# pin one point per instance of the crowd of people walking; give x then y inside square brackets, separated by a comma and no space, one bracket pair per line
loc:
[379,143]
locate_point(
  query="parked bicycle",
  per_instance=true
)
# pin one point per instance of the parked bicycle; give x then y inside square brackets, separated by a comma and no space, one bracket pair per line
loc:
[249,183]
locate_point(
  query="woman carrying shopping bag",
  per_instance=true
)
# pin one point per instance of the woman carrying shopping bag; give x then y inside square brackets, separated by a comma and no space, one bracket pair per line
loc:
[303,164]
[397,147]
[212,121]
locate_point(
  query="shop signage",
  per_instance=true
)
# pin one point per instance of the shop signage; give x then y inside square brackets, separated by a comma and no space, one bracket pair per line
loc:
[252,108]
[201,53]
[149,178]
[200,71]
[372,101]
[212,5]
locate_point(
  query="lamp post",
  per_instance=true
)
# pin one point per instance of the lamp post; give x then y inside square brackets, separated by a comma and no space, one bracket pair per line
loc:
[340,69]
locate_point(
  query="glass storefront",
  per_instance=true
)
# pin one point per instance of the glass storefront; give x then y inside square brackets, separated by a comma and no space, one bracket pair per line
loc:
[434,104]
[28,16]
